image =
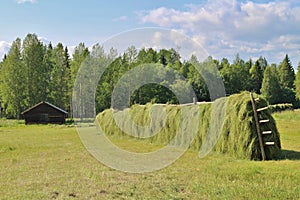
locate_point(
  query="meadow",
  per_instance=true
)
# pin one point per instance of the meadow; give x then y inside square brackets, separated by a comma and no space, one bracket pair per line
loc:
[50,162]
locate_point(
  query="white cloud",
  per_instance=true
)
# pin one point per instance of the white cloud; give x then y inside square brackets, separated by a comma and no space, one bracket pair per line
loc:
[26,1]
[4,48]
[44,40]
[71,50]
[227,27]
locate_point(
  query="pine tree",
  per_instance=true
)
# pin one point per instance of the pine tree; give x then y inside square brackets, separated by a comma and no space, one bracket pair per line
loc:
[262,62]
[60,78]
[297,83]
[286,73]
[271,86]
[80,54]
[67,81]
[256,72]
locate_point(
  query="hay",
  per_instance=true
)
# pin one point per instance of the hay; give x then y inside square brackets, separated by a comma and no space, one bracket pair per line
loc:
[227,125]
[239,137]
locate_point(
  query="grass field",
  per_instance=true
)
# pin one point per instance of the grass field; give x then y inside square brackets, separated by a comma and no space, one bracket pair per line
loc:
[50,162]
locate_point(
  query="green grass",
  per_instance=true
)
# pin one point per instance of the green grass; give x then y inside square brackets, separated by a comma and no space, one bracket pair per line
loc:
[50,162]
[288,123]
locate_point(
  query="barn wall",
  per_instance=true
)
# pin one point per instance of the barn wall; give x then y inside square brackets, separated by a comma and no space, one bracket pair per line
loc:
[43,114]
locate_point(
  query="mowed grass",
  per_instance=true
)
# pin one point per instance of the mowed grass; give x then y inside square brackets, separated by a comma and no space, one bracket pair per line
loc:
[50,162]
[288,123]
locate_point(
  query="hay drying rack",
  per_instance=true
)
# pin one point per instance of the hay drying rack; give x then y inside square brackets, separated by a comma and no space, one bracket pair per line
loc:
[258,122]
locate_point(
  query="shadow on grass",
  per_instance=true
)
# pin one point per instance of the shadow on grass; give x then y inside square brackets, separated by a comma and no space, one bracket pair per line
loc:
[289,155]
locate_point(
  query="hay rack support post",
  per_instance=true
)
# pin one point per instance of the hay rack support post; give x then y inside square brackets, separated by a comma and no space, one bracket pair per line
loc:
[260,133]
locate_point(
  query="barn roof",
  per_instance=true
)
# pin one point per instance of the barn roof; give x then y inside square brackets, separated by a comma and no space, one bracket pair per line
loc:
[47,103]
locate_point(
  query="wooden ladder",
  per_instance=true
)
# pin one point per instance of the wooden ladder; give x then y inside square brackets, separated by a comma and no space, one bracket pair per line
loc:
[260,133]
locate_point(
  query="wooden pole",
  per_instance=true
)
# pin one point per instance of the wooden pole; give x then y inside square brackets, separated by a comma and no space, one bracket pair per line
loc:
[261,143]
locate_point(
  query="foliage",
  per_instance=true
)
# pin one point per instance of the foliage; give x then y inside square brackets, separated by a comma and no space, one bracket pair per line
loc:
[257,75]
[297,83]
[32,72]
[163,63]
[286,73]
[236,76]
[288,95]
[36,74]
[270,86]
[60,91]
[13,91]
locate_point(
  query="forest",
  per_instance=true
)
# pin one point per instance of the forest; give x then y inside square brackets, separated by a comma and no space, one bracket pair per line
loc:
[33,71]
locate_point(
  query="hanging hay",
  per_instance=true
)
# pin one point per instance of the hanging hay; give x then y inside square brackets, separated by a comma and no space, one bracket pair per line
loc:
[225,126]
[239,135]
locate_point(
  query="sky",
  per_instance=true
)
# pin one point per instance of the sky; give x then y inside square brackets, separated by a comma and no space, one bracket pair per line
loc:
[268,28]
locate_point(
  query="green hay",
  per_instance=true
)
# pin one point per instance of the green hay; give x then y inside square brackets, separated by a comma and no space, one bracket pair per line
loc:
[239,136]
[235,135]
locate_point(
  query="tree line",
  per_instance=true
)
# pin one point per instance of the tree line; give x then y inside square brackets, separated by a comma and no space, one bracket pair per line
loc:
[32,72]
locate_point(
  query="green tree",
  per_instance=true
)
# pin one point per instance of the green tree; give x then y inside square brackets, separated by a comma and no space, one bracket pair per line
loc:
[164,57]
[106,84]
[131,54]
[147,56]
[286,73]
[87,81]
[297,83]
[224,64]
[48,63]
[195,73]
[13,90]
[257,76]
[236,77]
[270,86]
[288,95]
[60,78]
[67,80]
[262,63]
[33,55]
[80,54]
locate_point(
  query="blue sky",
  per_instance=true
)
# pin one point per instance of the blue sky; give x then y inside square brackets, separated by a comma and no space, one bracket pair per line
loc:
[223,28]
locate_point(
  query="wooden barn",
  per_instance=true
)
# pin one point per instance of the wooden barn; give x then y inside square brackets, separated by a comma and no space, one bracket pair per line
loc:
[44,113]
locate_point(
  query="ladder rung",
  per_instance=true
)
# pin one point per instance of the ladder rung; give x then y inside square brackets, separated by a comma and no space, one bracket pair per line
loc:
[266,132]
[264,121]
[270,143]
[262,109]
